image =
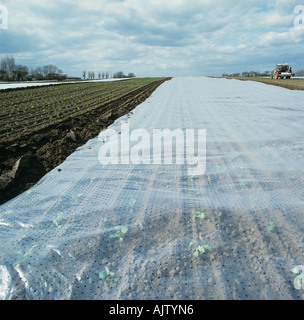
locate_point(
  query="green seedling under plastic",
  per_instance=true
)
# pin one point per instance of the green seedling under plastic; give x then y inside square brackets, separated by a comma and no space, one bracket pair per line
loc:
[108,276]
[290,177]
[270,226]
[132,203]
[120,232]
[76,199]
[58,221]
[22,255]
[198,214]
[299,277]
[192,193]
[199,249]
[192,178]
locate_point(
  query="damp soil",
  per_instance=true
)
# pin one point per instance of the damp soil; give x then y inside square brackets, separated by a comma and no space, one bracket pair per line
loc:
[25,159]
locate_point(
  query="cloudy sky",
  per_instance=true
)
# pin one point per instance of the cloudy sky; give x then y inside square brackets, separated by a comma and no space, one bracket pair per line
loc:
[153,37]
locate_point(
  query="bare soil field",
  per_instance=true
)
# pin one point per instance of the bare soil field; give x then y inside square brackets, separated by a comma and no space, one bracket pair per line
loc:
[41,126]
[292,84]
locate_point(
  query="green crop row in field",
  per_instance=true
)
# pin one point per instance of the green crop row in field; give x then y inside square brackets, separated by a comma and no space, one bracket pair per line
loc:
[22,109]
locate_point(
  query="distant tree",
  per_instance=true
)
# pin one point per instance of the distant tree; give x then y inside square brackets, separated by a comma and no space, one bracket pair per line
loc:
[103,75]
[20,72]
[9,70]
[299,73]
[107,75]
[50,69]
[99,75]
[131,75]
[91,75]
[2,74]
[7,67]
[119,75]
[45,70]
[84,73]
[37,73]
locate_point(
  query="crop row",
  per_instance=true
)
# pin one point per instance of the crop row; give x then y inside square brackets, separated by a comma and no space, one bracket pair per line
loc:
[24,109]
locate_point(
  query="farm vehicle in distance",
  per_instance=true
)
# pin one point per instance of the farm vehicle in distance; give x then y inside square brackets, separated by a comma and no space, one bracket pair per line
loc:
[282,71]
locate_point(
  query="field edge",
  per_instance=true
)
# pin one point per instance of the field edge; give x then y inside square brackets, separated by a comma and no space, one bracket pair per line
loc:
[26,160]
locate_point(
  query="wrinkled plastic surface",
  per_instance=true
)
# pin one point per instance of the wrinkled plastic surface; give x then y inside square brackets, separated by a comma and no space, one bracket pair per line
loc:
[140,231]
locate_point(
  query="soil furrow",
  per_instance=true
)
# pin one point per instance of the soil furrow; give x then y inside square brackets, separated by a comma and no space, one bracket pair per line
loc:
[42,149]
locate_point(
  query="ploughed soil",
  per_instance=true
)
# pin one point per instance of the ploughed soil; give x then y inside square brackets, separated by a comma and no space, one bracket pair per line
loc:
[292,84]
[28,157]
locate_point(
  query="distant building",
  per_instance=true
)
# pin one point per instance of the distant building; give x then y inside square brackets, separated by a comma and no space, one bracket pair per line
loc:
[56,76]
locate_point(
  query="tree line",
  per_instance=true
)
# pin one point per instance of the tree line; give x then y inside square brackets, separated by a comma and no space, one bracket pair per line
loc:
[11,71]
[248,74]
[299,73]
[105,75]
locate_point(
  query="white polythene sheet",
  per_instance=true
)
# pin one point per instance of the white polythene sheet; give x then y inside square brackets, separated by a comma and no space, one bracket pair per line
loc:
[14,85]
[152,231]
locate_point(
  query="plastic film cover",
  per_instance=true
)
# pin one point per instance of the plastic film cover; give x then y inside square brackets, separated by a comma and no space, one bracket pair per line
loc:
[126,218]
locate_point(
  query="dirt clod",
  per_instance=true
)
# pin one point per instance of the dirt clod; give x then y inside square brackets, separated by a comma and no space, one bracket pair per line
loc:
[40,150]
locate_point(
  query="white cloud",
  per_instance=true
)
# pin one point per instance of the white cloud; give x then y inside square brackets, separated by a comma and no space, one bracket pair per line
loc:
[175,37]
